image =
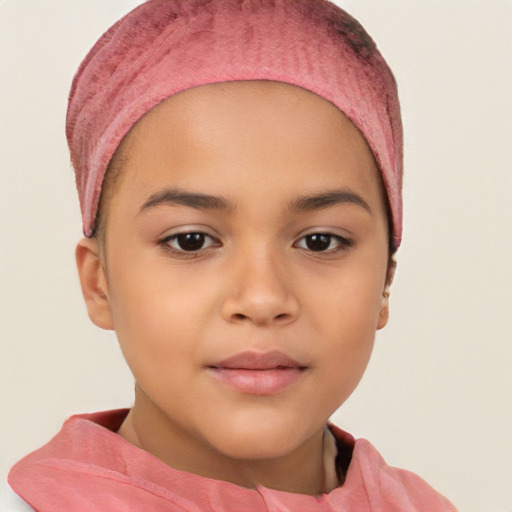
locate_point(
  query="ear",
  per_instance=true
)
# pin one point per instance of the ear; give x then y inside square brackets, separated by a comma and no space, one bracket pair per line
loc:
[384,310]
[93,282]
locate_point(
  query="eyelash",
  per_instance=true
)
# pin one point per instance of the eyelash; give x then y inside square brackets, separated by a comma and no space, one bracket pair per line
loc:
[166,243]
[342,243]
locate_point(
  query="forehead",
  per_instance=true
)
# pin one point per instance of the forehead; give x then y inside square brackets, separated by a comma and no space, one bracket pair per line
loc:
[268,127]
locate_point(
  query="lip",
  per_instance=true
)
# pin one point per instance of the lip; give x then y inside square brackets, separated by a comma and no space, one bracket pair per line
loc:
[253,360]
[258,373]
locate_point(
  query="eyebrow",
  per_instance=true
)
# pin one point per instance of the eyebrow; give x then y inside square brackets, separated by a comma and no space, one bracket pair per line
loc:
[190,199]
[327,199]
[209,202]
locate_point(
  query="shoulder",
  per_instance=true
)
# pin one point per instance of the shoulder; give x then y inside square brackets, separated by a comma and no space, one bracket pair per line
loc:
[394,488]
[379,486]
[11,502]
[85,448]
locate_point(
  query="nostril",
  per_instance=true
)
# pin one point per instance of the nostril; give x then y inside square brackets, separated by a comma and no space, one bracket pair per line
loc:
[260,310]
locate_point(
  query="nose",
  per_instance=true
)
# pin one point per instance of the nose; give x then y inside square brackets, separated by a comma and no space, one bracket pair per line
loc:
[260,291]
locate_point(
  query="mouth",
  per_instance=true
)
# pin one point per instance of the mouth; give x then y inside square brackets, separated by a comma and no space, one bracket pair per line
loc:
[258,373]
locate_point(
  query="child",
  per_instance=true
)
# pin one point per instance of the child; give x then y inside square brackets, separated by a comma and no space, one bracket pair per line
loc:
[239,169]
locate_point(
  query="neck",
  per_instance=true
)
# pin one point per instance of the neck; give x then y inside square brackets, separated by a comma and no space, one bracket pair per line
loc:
[301,471]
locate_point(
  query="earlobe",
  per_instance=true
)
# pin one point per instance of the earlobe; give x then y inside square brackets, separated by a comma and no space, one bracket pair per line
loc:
[383,314]
[93,282]
[384,310]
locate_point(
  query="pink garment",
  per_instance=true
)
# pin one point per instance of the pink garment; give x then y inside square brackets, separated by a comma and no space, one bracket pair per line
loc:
[87,467]
[164,47]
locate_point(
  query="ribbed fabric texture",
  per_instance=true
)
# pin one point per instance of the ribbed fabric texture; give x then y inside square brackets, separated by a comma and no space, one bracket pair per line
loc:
[167,46]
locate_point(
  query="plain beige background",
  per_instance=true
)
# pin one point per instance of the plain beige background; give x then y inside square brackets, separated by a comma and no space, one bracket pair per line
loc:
[436,398]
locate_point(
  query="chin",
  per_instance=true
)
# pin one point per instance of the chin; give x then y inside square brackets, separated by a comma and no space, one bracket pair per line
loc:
[256,449]
[258,440]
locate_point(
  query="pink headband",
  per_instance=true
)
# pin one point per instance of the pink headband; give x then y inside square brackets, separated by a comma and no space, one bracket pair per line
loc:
[166,46]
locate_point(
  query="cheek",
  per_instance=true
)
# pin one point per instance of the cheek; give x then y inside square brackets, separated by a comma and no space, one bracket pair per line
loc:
[160,316]
[348,303]
[346,313]
[349,334]
[147,311]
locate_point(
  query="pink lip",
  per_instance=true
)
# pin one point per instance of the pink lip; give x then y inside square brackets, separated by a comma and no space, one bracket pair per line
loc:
[258,373]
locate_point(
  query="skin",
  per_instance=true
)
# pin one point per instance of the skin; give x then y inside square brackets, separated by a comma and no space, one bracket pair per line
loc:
[255,283]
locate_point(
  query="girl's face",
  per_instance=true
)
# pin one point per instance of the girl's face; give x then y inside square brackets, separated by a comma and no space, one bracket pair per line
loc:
[244,269]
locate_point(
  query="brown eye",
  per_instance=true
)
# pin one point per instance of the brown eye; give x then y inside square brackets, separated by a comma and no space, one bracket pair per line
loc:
[324,242]
[318,242]
[189,242]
